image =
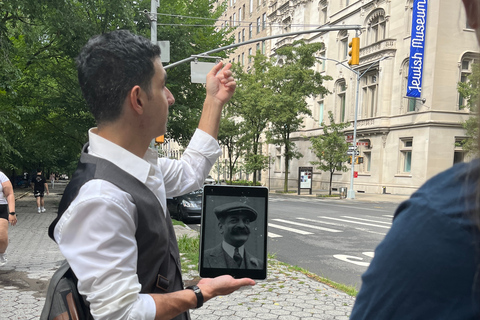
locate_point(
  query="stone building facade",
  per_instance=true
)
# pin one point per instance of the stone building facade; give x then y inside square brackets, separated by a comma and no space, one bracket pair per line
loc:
[402,141]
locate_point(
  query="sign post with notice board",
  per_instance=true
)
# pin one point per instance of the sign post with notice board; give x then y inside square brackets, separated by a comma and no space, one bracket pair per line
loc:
[305,178]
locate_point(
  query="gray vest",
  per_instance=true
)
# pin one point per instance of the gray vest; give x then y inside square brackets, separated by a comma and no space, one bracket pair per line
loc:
[158,265]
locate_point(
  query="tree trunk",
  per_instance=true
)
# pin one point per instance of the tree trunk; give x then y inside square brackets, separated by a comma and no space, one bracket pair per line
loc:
[330,187]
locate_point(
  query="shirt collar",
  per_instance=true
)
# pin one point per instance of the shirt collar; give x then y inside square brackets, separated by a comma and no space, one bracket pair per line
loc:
[122,158]
[230,250]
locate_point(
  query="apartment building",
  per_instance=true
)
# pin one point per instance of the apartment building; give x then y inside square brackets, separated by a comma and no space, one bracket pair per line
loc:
[402,141]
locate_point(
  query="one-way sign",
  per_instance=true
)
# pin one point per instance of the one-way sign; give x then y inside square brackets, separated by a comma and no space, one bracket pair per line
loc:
[350,152]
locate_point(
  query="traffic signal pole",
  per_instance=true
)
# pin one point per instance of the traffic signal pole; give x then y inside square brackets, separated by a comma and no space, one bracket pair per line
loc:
[350,191]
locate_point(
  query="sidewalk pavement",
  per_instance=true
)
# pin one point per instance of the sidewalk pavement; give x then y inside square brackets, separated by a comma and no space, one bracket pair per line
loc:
[33,258]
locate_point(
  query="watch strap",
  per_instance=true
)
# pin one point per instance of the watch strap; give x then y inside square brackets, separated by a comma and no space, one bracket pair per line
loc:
[198,294]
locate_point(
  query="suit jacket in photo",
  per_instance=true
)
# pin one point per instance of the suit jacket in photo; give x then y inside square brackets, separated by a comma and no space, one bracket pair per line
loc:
[216,257]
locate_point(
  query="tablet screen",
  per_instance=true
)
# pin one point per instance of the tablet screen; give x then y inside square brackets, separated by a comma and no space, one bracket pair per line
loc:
[233,236]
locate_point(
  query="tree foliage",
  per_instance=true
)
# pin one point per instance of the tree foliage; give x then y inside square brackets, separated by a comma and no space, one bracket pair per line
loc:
[252,103]
[292,81]
[43,116]
[330,148]
[469,90]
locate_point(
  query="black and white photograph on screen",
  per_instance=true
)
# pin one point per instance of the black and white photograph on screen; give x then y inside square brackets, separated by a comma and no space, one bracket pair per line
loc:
[234,230]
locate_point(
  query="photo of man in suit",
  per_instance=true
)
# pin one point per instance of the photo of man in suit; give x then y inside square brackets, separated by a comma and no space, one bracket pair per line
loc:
[234,220]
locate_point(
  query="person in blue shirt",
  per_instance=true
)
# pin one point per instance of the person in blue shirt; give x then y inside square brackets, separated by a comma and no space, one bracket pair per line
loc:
[428,265]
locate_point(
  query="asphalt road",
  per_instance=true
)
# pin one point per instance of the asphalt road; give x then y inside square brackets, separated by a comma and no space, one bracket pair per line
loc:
[335,239]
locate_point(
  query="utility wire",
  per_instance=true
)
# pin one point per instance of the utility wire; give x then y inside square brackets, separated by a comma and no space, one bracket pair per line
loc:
[243,23]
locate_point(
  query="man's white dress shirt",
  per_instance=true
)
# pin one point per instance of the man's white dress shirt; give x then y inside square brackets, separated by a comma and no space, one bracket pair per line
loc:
[104,257]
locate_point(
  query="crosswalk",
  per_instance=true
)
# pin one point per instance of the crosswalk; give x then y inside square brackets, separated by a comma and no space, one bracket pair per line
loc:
[325,224]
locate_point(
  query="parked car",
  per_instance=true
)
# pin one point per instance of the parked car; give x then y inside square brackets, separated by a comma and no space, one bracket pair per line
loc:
[209,180]
[187,206]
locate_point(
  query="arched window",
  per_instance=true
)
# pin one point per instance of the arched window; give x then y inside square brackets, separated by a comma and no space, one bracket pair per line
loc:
[376,27]
[408,16]
[323,10]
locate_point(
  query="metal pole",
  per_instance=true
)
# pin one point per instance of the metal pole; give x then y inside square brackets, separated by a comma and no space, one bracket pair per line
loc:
[351,192]
[153,20]
[321,29]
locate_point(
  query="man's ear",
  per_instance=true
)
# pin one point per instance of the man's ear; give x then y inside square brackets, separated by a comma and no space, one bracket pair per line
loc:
[220,227]
[471,8]
[136,99]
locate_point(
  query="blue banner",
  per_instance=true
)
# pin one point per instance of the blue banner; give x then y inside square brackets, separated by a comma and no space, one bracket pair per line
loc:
[417,49]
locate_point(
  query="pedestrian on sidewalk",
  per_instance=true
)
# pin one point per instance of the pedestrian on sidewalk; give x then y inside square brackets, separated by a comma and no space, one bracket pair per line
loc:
[52,180]
[428,265]
[113,225]
[7,214]
[40,186]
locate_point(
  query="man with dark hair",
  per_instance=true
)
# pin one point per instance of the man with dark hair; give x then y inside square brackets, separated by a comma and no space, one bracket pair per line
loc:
[234,224]
[39,185]
[113,226]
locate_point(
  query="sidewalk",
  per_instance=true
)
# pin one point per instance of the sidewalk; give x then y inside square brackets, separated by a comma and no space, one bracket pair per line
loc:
[359,196]
[33,258]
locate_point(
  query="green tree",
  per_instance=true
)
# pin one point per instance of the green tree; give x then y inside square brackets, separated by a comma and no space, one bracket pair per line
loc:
[330,148]
[469,92]
[232,137]
[292,81]
[44,119]
[252,104]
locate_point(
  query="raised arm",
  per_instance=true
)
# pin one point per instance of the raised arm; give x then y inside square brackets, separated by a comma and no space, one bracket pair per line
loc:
[220,88]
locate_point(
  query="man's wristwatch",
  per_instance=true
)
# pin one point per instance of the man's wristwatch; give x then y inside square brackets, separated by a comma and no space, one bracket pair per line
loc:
[198,294]
[12,213]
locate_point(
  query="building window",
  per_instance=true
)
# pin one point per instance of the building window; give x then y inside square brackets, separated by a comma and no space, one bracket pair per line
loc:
[321,107]
[263,47]
[287,25]
[408,17]
[408,103]
[257,48]
[258,24]
[323,62]
[243,35]
[249,55]
[264,21]
[323,12]
[243,58]
[341,100]
[343,49]
[239,15]
[251,6]
[370,94]
[367,161]
[278,158]
[231,3]
[406,147]
[250,30]
[234,20]
[239,37]
[459,154]
[377,28]
[466,66]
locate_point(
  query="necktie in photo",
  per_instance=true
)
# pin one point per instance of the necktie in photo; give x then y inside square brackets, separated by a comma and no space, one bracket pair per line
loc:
[237,257]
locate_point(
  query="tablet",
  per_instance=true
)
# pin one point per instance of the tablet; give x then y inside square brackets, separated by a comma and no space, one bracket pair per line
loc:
[233,235]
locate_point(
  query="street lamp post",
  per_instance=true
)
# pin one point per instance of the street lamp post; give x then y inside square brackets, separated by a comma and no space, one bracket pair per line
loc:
[350,191]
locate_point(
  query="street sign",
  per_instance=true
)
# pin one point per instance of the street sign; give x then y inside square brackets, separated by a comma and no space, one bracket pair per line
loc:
[352,148]
[350,152]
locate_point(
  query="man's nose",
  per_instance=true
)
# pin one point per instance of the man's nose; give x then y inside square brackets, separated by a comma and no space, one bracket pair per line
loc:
[170,98]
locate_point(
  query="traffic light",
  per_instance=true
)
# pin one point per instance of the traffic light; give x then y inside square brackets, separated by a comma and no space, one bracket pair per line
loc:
[354,52]
[160,139]
[358,160]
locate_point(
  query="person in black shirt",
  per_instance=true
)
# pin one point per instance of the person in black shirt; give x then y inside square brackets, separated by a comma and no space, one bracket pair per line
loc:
[40,186]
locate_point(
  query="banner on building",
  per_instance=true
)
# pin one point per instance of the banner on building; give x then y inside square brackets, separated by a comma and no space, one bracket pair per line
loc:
[417,49]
